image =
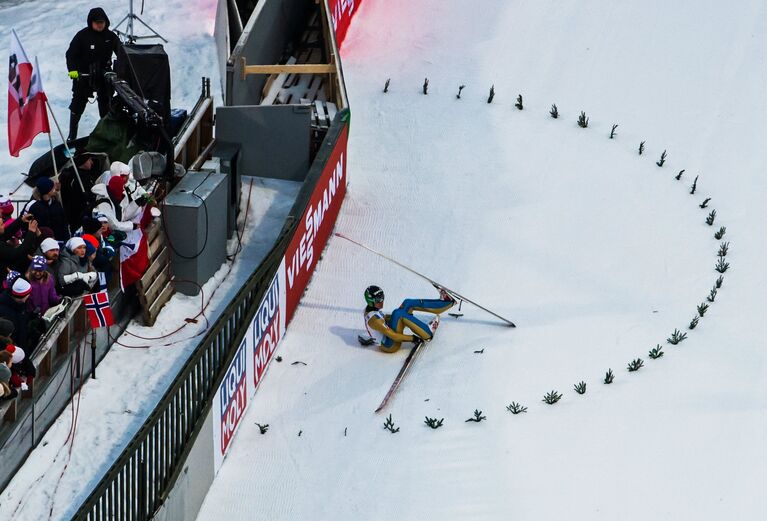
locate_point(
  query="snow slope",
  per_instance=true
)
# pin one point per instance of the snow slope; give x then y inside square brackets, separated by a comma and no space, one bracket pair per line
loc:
[594,251]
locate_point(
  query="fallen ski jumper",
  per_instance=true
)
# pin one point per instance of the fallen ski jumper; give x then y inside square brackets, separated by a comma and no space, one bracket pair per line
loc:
[388,330]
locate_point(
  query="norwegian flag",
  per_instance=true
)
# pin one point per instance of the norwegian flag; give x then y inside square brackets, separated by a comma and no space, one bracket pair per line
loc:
[27,116]
[99,310]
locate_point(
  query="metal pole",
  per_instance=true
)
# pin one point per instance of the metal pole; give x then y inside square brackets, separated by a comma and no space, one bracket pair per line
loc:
[93,354]
[66,146]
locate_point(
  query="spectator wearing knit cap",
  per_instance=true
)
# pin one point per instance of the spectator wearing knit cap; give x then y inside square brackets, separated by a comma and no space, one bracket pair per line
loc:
[6,390]
[13,307]
[15,257]
[44,293]
[118,209]
[23,371]
[74,274]
[48,210]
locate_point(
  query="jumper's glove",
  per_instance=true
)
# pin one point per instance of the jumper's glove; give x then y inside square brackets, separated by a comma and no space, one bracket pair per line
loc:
[74,75]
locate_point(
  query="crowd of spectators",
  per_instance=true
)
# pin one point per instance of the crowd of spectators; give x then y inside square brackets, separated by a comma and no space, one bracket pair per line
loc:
[60,246]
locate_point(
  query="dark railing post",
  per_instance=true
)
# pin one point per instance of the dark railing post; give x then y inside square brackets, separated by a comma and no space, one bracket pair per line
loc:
[93,354]
[142,488]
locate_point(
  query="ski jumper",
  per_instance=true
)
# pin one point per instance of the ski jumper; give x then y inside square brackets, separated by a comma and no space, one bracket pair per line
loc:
[388,330]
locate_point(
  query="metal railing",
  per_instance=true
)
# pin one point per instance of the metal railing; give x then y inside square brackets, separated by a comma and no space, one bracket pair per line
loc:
[138,482]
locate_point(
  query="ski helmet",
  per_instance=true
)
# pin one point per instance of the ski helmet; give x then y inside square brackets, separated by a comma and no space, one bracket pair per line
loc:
[373,294]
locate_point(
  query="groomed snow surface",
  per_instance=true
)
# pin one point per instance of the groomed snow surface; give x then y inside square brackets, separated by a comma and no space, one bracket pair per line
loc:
[594,251]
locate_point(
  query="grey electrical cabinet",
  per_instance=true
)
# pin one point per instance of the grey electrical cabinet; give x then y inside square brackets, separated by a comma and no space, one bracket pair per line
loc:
[196,225]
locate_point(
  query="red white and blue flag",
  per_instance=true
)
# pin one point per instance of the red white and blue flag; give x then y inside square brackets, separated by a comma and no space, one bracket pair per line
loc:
[99,310]
[27,116]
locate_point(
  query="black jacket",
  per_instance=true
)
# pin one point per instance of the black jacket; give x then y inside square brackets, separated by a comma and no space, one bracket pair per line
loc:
[16,312]
[92,47]
[15,257]
[51,214]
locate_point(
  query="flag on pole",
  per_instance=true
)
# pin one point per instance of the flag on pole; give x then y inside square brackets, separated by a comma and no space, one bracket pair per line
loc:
[27,116]
[99,310]
[134,252]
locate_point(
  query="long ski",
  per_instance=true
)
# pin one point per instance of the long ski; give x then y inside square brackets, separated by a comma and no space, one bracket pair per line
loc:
[401,375]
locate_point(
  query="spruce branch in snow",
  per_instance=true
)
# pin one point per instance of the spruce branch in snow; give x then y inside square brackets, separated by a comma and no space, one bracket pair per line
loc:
[609,377]
[389,425]
[479,351]
[676,337]
[583,121]
[702,308]
[554,111]
[262,428]
[711,217]
[705,202]
[641,148]
[433,422]
[612,132]
[694,186]
[477,417]
[552,397]
[516,408]
[656,352]
[278,358]
[635,365]
[712,295]
[679,175]
[580,387]
[492,94]
[694,322]
[719,281]
[386,85]
[723,249]
[460,88]
[722,266]
[518,104]
[662,159]
[426,85]
[300,433]
[718,235]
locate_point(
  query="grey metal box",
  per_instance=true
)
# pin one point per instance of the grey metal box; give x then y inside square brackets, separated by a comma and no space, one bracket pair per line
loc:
[195,222]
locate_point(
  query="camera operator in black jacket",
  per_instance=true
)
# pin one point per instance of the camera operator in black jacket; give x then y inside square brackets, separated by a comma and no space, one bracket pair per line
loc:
[89,56]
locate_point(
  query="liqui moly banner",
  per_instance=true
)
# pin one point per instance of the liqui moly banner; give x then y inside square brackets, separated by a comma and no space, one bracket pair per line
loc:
[316,224]
[248,366]
[230,403]
[268,325]
[341,13]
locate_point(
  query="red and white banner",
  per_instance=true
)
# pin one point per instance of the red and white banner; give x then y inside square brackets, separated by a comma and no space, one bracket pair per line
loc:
[316,224]
[27,116]
[134,252]
[341,13]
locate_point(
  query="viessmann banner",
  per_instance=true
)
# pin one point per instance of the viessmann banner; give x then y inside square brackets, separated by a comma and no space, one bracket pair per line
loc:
[316,224]
[341,13]
[279,302]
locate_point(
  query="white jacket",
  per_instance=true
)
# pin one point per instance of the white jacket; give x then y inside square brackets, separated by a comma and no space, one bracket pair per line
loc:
[131,212]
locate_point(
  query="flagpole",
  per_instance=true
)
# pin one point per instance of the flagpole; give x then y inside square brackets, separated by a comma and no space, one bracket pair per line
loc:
[66,146]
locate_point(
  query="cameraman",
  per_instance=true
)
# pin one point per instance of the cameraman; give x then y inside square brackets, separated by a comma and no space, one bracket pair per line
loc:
[89,56]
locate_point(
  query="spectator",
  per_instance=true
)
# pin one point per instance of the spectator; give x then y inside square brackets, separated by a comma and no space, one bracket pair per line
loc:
[79,203]
[23,371]
[117,168]
[10,279]
[15,257]
[49,249]
[74,273]
[6,210]
[112,203]
[48,210]
[6,328]
[13,306]
[6,390]
[43,294]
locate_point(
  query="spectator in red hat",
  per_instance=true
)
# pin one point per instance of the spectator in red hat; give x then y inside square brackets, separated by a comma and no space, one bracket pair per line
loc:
[44,293]
[111,201]
[23,371]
